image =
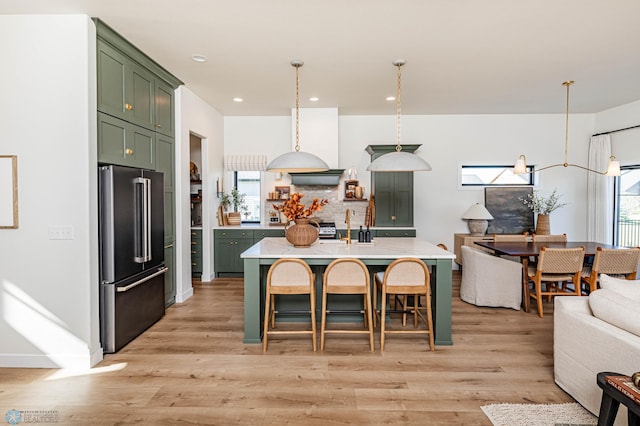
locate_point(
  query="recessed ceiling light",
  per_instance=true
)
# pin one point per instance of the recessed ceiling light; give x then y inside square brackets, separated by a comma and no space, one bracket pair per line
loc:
[390,98]
[198,57]
[314,99]
[238,99]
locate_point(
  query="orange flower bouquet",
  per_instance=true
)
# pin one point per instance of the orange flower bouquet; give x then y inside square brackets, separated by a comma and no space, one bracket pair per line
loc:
[293,208]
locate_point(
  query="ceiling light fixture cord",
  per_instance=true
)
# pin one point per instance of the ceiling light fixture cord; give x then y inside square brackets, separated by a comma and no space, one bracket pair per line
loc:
[297,65]
[399,105]
[566,125]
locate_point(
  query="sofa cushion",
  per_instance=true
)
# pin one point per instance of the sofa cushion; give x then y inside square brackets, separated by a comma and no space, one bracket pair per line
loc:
[616,309]
[629,288]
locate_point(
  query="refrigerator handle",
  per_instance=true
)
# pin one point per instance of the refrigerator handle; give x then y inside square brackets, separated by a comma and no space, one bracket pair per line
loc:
[145,231]
[145,279]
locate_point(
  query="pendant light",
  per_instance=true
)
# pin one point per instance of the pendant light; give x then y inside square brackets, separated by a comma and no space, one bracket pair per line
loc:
[297,161]
[613,168]
[398,161]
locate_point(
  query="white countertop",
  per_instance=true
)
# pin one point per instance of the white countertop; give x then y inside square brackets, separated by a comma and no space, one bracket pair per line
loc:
[381,248]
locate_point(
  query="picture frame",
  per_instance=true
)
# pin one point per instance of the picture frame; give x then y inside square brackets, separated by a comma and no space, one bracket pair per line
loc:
[283,192]
[510,214]
[8,191]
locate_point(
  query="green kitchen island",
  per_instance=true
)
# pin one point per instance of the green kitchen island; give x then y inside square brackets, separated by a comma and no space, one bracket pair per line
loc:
[376,255]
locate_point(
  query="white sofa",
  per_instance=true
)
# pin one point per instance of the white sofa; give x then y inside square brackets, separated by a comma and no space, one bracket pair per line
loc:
[595,333]
[489,280]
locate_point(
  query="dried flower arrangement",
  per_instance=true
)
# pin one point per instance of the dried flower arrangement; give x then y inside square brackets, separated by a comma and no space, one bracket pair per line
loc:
[294,209]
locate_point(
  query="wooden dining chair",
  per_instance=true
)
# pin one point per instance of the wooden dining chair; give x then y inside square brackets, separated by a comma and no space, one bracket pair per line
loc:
[286,277]
[511,238]
[552,238]
[411,277]
[555,266]
[614,262]
[346,276]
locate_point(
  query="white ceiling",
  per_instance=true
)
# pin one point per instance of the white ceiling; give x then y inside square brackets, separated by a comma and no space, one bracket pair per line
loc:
[463,56]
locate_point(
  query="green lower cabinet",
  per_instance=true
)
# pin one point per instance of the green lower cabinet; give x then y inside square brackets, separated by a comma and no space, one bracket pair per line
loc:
[259,234]
[196,253]
[228,246]
[170,276]
[381,233]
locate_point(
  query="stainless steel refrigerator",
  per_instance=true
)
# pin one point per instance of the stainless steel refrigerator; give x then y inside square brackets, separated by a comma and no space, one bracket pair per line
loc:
[131,253]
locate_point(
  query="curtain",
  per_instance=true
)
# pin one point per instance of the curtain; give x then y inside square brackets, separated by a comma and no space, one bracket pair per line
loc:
[245,163]
[599,192]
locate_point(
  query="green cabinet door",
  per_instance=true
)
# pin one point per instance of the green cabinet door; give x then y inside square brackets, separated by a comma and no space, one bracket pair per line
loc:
[164,106]
[125,89]
[393,198]
[196,253]
[170,276]
[125,144]
[393,190]
[164,163]
[228,246]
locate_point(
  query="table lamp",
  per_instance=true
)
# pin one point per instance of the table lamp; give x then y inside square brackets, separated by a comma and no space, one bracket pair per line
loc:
[477,217]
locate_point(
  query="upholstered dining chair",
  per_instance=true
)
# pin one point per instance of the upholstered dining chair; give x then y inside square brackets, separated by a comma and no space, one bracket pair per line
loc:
[613,262]
[555,266]
[286,277]
[346,276]
[411,277]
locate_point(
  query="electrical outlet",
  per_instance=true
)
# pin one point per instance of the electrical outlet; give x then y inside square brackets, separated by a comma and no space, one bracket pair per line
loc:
[61,232]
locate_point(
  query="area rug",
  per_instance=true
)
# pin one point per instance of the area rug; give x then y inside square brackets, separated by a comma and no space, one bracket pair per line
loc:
[569,414]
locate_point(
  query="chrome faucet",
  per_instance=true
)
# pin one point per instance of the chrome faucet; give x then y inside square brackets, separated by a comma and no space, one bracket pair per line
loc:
[347,220]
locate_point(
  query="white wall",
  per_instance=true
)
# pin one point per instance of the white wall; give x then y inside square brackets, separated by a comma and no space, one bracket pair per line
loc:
[625,145]
[49,288]
[447,141]
[194,116]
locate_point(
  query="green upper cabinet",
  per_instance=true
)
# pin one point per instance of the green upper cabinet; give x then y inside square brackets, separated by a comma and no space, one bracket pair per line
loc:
[125,89]
[393,190]
[164,107]
[122,143]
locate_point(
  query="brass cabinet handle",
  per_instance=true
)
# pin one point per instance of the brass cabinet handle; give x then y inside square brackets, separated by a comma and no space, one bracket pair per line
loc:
[393,217]
[158,125]
[128,106]
[193,243]
[128,151]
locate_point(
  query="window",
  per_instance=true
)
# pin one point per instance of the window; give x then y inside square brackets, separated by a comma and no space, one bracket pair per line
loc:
[494,175]
[627,207]
[248,183]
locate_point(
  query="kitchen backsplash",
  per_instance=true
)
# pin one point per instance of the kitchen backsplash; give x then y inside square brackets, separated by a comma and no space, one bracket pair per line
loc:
[335,211]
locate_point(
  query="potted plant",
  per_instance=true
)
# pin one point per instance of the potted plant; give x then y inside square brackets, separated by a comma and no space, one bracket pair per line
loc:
[237,200]
[543,206]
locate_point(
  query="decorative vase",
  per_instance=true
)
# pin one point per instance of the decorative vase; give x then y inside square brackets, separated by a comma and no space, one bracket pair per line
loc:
[543,227]
[234,218]
[302,232]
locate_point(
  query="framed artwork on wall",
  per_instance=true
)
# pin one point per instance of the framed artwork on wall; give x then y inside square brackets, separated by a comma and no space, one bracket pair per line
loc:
[510,215]
[8,191]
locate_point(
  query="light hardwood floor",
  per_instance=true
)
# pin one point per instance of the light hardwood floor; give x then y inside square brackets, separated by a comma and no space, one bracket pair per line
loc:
[192,368]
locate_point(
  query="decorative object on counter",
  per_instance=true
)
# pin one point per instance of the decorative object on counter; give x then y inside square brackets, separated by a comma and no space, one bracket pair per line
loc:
[361,235]
[370,214]
[239,205]
[367,235]
[477,217]
[543,206]
[299,231]
[297,161]
[398,161]
[520,167]
[359,192]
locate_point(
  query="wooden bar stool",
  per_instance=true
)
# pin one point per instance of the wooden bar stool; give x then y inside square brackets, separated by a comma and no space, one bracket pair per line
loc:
[286,277]
[346,276]
[411,277]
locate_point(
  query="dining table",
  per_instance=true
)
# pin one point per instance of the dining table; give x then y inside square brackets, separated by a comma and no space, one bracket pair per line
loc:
[528,249]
